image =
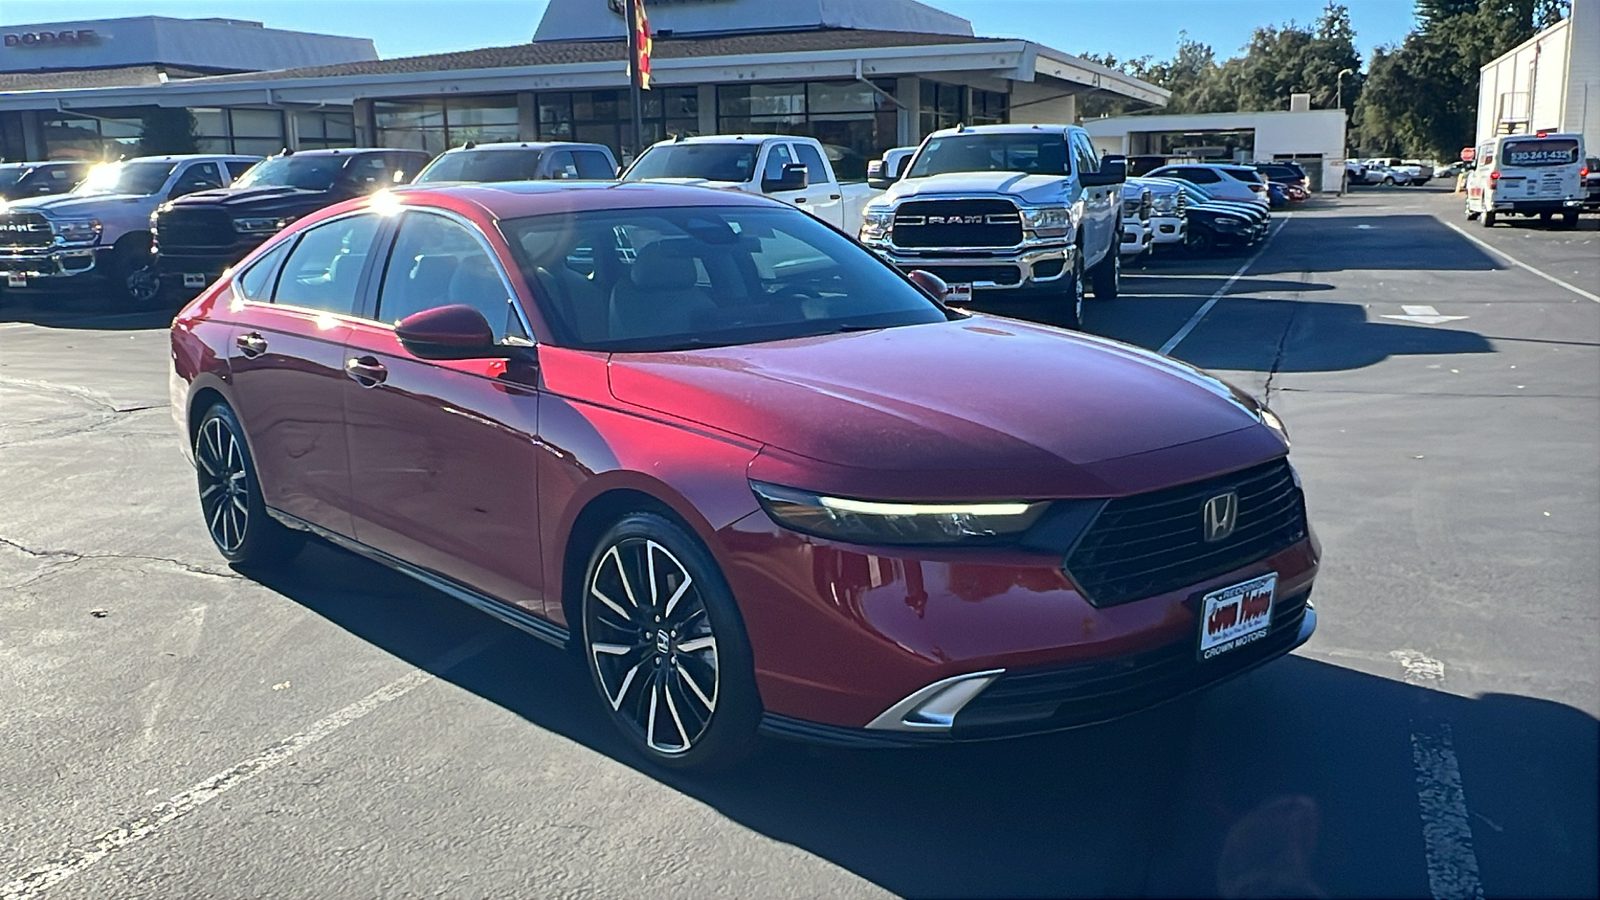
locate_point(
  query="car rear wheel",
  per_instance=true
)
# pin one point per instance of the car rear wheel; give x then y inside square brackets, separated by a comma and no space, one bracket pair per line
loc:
[1472,216]
[230,496]
[1487,220]
[1569,220]
[1388,180]
[666,646]
[1108,274]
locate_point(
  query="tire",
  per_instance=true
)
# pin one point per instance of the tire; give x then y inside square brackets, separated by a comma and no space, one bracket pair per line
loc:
[1487,219]
[1544,219]
[1107,276]
[1472,216]
[230,496]
[132,277]
[1201,241]
[1388,180]
[668,658]
[1569,220]
[1070,314]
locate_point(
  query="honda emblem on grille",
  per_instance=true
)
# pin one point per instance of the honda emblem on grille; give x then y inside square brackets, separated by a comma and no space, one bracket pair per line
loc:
[1221,513]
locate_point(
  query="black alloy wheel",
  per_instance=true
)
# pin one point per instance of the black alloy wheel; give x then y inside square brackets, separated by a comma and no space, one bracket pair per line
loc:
[1201,241]
[1072,315]
[230,496]
[142,285]
[666,648]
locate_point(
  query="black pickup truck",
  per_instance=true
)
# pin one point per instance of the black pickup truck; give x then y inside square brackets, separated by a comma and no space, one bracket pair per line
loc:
[38,179]
[200,235]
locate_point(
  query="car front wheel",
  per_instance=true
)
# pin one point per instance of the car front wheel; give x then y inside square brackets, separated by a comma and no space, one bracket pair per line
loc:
[666,646]
[230,496]
[1108,274]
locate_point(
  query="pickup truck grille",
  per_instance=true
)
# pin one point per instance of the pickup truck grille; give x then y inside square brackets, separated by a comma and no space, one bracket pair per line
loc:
[181,229]
[1149,544]
[957,223]
[25,229]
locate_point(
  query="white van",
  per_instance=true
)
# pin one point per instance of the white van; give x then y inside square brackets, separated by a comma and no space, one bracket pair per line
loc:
[1526,175]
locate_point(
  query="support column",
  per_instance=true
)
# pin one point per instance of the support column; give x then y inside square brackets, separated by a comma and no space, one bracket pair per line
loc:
[708,109]
[366,134]
[908,90]
[527,117]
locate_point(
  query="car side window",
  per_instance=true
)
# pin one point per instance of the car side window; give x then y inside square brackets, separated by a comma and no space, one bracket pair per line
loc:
[1083,155]
[812,160]
[198,177]
[237,168]
[256,282]
[323,271]
[1202,176]
[560,165]
[439,262]
[401,168]
[594,165]
[777,157]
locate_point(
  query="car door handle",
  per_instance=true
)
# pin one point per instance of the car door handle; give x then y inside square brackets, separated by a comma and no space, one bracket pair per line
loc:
[251,345]
[833,196]
[799,199]
[366,370]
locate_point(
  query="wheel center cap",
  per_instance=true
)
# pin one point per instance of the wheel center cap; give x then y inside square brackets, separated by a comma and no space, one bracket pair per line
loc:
[663,642]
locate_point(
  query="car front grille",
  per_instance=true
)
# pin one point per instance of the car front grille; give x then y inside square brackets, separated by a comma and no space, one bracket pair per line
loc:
[999,274]
[181,229]
[25,229]
[1063,697]
[1153,543]
[957,223]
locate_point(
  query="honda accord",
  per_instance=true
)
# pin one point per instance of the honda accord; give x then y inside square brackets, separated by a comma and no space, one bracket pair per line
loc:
[759,480]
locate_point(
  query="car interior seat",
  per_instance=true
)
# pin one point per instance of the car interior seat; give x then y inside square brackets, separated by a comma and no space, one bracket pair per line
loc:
[659,295]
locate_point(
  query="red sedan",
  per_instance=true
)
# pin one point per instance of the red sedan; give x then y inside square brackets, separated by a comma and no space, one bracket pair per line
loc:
[761,481]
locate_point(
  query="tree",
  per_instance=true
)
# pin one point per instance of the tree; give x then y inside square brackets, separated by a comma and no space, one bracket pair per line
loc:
[164,130]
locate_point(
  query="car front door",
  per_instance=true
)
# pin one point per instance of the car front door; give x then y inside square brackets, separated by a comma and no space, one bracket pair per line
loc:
[1102,212]
[443,451]
[286,361]
[822,197]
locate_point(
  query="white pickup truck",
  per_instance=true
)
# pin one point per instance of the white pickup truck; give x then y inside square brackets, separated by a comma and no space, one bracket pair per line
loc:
[793,169]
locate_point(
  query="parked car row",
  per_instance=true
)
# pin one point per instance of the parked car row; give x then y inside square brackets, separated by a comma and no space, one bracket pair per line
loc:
[1389,171]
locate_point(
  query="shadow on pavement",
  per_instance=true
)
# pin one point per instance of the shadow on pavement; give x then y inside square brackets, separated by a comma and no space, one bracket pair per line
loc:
[59,309]
[1297,779]
[1402,242]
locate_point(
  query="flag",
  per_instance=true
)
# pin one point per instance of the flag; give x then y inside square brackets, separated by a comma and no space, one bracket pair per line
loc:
[641,44]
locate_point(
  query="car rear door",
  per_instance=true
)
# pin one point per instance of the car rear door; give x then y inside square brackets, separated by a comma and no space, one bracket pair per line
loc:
[443,452]
[286,362]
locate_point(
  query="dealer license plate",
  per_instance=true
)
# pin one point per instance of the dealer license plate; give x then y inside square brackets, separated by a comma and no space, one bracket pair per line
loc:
[16,280]
[958,293]
[194,280]
[1236,616]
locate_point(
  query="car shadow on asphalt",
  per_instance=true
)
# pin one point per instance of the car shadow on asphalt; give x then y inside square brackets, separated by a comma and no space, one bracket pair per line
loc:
[72,311]
[1301,778]
[1404,242]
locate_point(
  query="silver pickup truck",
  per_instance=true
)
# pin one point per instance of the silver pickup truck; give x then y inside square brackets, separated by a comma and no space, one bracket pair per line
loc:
[1028,210]
[101,229]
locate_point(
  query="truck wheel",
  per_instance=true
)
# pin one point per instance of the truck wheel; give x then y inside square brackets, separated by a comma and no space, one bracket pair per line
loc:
[1544,219]
[1071,313]
[130,272]
[1471,216]
[1569,220]
[1488,218]
[1108,274]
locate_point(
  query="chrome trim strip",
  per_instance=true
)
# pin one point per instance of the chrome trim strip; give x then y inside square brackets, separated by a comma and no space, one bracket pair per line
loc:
[898,716]
[512,615]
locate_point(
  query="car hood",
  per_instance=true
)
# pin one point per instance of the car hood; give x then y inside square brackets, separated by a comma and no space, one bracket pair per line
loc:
[262,201]
[75,204]
[1028,188]
[977,407]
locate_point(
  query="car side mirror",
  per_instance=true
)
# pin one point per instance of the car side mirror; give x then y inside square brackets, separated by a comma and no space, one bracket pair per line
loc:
[876,179]
[931,284]
[794,177]
[1113,170]
[456,331]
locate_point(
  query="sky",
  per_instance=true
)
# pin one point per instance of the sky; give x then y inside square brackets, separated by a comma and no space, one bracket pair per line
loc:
[1123,28]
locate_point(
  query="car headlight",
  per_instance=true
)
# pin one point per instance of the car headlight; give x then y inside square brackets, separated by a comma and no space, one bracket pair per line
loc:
[1047,221]
[1165,206]
[876,221]
[76,231]
[1229,220]
[257,224]
[1271,420]
[873,522]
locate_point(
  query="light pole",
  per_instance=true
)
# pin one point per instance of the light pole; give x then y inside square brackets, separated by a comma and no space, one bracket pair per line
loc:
[1338,87]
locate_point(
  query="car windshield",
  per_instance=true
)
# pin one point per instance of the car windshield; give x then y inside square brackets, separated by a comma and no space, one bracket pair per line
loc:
[137,177]
[680,278]
[1040,153]
[483,165]
[1537,152]
[10,175]
[311,173]
[713,162]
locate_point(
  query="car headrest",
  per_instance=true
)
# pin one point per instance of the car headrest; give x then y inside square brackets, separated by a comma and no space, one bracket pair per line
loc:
[664,266]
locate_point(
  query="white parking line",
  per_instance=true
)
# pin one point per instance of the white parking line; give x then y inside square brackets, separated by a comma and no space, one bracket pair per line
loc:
[1547,277]
[1441,799]
[41,878]
[1206,307]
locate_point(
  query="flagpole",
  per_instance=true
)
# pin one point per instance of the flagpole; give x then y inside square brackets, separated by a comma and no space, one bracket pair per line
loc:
[635,94]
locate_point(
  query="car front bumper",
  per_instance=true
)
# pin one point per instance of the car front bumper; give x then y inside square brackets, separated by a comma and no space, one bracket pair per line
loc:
[49,262]
[1040,266]
[1169,229]
[1136,237]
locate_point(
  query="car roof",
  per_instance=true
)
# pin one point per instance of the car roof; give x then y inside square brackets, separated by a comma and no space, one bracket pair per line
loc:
[515,199]
[180,157]
[350,151]
[530,145]
[733,138]
[1000,129]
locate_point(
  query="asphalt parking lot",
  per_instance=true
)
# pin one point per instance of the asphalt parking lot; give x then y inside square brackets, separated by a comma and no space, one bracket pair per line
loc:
[174,728]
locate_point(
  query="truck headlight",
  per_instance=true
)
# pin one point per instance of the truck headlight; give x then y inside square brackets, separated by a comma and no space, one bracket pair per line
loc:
[876,222]
[1228,220]
[873,522]
[257,225]
[1047,221]
[76,231]
[1165,206]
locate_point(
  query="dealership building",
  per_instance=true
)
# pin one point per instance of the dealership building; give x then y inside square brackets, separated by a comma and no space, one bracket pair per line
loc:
[860,75]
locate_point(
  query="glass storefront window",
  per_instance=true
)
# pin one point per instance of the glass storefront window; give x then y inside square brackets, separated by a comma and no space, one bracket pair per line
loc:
[853,122]
[256,132]
[605,117]
[317,129]
[437,125]
[69,136]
